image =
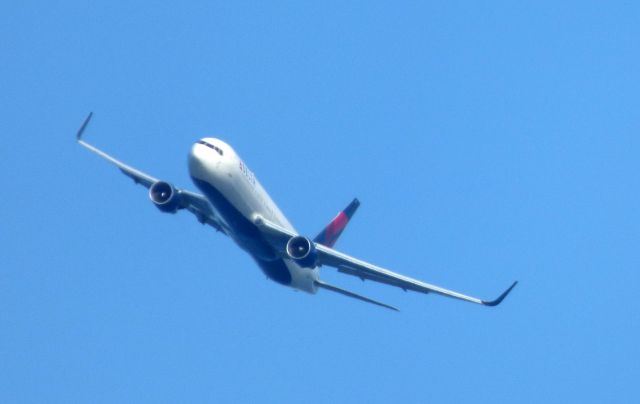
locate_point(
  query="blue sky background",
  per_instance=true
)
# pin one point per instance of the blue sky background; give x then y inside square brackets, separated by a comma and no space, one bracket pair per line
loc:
[488,142]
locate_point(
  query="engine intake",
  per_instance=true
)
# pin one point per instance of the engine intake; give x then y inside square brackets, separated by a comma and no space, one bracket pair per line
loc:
[302,251]
[165,196]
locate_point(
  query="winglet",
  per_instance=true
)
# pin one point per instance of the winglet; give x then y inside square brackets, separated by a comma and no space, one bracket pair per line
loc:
[84,126]
[501,297]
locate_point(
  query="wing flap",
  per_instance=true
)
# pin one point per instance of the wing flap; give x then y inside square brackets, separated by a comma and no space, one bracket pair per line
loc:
[375,278]
[201,208]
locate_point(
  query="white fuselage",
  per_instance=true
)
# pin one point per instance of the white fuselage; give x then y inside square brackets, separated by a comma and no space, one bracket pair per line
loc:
[238,199]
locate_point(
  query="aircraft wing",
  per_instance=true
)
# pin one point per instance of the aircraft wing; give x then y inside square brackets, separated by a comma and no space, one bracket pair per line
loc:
[346,264]
[194,203]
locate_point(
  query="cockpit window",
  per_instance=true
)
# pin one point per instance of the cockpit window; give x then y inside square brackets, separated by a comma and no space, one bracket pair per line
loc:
[209,145]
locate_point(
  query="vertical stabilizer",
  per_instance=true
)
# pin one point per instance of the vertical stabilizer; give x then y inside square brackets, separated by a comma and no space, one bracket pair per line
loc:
[330,234]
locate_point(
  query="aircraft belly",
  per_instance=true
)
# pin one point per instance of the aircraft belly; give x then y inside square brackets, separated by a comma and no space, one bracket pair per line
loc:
[303,278]
[242,231]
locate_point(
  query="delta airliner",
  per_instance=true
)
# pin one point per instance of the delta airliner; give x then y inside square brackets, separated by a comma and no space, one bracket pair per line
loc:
[234,203]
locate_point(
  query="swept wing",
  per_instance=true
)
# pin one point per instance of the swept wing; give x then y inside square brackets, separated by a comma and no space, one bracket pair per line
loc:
[194,203]
[278,237]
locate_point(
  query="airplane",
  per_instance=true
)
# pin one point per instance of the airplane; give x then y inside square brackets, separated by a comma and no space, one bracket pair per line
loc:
[234,203]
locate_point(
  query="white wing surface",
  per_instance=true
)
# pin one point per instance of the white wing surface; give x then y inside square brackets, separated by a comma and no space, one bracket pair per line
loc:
[194,203]
[278,237]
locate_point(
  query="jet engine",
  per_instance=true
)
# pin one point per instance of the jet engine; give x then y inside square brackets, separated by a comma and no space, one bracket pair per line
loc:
[165,196]
[302,251]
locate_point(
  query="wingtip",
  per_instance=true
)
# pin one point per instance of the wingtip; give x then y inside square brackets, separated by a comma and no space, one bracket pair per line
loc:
[84,126]
[351,209]
[501,297]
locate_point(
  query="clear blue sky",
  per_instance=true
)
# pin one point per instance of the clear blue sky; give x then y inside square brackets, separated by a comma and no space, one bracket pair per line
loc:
[488,142]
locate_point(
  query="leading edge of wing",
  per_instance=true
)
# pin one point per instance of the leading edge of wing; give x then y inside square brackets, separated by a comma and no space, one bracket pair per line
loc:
[137,175]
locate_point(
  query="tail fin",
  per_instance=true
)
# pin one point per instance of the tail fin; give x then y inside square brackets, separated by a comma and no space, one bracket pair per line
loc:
[330,234]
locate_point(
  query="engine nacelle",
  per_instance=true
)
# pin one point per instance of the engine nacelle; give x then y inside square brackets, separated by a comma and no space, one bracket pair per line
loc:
[165,196]
[302,251]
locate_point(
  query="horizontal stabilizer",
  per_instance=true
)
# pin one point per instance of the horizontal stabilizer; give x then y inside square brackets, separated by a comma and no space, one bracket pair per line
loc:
[345,292]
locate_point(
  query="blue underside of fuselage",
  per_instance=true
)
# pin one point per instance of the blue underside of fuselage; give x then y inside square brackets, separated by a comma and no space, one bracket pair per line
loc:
[247,235]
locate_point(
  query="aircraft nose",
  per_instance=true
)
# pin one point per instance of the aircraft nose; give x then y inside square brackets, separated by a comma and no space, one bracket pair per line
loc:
[206,160]
[197,160]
